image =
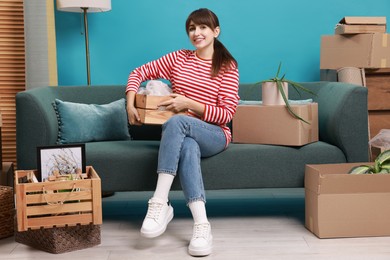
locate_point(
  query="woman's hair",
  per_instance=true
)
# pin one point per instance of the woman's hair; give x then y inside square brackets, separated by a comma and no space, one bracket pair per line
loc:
[221,56]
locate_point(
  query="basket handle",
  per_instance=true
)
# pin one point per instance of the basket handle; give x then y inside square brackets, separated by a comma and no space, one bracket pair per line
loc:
[57,202]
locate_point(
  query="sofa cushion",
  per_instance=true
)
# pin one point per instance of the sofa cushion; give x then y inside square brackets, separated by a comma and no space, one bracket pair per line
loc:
[79,123]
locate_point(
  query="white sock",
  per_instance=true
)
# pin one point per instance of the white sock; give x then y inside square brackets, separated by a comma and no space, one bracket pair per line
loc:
[198,210]
[164,183]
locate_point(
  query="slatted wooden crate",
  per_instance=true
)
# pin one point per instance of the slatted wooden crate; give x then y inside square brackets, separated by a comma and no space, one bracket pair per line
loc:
[58,203]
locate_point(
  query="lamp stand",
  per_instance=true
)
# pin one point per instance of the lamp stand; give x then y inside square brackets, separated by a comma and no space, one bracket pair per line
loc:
[87,45]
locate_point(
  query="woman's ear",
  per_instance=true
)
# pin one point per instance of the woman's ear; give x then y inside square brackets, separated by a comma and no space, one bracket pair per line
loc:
[217,30]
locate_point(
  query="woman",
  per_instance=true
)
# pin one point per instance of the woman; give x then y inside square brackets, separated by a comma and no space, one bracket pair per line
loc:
[205,85]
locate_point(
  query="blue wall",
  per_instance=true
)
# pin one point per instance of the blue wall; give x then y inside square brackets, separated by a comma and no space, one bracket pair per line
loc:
[259,34]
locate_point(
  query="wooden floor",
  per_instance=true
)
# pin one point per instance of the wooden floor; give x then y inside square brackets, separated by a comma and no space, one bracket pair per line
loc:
[246,224]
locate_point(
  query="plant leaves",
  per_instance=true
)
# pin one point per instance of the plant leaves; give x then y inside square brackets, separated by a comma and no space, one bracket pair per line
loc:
[362,169]
[277,73]
[383,157]
[296,86]
[289,109]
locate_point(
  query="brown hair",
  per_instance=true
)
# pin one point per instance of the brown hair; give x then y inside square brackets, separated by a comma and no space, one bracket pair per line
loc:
[221,56]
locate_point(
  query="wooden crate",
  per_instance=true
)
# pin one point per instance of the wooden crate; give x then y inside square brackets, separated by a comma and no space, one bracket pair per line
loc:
[378,84]
[378,120]
[58,203]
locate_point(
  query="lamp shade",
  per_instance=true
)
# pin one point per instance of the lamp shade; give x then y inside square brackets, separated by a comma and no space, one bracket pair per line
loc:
[76,5]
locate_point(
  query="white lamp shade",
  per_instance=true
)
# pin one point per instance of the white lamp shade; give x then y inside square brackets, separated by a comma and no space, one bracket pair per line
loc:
[76,5]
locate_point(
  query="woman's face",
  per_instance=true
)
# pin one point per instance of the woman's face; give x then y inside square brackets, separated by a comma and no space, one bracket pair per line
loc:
[202,36]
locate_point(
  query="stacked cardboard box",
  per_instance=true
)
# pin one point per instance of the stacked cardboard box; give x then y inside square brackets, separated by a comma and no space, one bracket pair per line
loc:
[353,25]
[351,48]
[362,42]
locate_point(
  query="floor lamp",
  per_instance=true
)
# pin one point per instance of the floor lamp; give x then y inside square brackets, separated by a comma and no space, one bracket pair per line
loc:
[85,6]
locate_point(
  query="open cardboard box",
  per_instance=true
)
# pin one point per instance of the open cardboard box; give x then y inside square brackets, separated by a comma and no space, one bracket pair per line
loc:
[361,24]
[339,204]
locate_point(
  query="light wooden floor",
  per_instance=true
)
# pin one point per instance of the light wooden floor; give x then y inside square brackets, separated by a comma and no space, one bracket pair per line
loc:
[246,224]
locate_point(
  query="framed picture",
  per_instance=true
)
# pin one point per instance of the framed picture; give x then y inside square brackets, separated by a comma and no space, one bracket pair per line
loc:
[60,159]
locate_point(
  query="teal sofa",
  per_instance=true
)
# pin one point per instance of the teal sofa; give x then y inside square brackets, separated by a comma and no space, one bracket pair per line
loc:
[130,165]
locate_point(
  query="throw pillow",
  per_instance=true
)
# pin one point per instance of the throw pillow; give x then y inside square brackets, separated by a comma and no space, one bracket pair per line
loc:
[80,123]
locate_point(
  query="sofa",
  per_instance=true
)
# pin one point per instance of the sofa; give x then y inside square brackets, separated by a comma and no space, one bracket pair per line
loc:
[130,164]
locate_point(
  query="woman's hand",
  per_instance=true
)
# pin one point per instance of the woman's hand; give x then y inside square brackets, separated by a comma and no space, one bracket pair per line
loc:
[180,103]
[133,116]
[132,113]
[177,104]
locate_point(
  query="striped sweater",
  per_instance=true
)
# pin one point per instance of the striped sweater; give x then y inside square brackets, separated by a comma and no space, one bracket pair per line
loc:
[190,76]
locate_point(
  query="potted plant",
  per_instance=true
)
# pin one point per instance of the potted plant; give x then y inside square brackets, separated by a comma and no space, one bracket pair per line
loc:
[381,165]
[275,92]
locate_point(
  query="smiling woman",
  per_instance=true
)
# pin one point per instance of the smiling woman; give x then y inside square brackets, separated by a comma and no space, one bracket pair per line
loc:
[205,85]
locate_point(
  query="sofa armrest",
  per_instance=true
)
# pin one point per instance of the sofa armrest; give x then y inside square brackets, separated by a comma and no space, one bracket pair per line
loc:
[36,125]
[343,117]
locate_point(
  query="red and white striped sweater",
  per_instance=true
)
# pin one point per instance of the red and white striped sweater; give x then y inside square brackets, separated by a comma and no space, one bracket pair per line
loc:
[191,76]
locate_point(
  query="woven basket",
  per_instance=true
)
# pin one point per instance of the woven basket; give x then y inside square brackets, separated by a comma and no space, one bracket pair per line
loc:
[7,211]
[58,240]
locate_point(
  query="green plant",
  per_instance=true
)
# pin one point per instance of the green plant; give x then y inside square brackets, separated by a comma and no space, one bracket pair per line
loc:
[381,165]
[296,86]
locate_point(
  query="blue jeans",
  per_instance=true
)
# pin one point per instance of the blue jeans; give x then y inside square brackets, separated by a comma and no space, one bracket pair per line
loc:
[184,141]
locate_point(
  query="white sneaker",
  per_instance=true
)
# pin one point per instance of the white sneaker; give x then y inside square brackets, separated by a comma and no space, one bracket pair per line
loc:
[159,214]
[201,243]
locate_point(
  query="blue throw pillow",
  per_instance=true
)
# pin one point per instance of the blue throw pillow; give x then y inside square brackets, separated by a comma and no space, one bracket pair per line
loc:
[80,123]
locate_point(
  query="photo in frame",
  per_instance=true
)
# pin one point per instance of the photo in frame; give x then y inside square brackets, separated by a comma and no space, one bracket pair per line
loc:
[60,159]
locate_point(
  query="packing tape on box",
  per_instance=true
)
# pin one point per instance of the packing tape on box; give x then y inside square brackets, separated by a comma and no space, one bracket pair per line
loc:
[383,63]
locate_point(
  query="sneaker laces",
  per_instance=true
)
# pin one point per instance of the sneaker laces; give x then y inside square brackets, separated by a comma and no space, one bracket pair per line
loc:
[154,210]
[201,230]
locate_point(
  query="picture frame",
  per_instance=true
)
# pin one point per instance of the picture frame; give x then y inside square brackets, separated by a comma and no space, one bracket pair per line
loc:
[64,158]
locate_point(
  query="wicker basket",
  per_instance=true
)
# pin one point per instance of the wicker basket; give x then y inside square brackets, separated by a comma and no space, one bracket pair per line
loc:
[58,240]
[7,211]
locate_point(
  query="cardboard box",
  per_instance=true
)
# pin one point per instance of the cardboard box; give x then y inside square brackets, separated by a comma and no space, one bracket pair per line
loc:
[149,102]
[259,124]
[149,111]
[58,203]
[154,117]
[361,24]
[355,50]
[338,204]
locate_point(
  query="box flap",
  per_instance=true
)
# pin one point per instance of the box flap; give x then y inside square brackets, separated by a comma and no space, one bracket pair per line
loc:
[334,179]
[374,20]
